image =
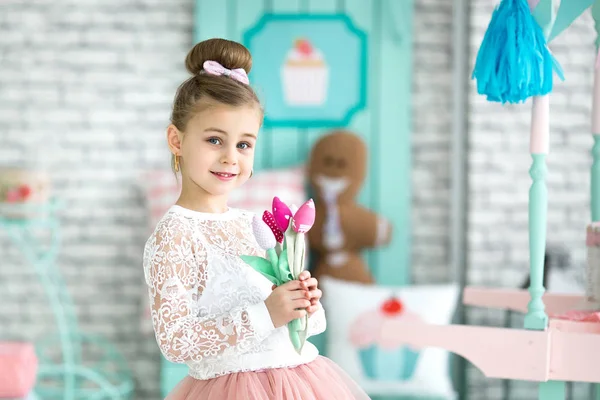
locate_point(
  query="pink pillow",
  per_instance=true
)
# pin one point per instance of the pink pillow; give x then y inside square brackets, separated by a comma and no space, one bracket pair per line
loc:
[162,191]
[18,369]
[257,194]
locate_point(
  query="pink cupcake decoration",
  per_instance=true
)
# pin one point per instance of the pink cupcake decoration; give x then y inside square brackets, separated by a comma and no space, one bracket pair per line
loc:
[381,358]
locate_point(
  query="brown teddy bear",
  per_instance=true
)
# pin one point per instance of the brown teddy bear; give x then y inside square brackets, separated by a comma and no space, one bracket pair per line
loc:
[342,229]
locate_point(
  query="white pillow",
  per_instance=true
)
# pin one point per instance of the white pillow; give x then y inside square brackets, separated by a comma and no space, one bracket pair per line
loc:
[415,373]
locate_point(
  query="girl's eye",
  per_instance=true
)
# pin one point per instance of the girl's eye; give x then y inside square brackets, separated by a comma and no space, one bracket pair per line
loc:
[244,145]
[214,140]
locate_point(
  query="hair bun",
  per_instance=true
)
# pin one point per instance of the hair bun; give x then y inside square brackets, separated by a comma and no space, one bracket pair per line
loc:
[229,54]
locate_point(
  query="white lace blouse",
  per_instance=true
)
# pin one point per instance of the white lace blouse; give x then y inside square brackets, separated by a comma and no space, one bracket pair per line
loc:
[208,307]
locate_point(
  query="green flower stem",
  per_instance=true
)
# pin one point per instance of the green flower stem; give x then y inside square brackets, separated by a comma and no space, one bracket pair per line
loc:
[295,325]
[295,338]
[283,264]
[272,254]
[298,255]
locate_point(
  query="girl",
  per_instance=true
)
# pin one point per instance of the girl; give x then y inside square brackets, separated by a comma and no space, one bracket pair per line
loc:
[209,309]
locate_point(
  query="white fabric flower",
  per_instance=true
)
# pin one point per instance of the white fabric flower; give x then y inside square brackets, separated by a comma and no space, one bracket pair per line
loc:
[263,234]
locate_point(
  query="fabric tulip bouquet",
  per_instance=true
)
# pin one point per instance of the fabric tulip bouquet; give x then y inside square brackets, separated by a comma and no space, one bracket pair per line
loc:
[282,234]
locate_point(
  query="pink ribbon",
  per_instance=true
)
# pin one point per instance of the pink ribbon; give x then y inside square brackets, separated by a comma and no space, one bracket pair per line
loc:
[214,68]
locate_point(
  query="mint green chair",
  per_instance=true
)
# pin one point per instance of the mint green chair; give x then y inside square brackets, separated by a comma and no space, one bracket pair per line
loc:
[72,365]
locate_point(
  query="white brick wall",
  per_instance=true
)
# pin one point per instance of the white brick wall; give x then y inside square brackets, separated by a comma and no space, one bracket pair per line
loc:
[432,120]
[86,86]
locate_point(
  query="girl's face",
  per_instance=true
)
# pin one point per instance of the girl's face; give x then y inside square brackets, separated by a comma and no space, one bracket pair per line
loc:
[217,148]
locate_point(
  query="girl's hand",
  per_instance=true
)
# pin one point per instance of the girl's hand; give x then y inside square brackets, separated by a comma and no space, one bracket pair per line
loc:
[287,302]
[310,284]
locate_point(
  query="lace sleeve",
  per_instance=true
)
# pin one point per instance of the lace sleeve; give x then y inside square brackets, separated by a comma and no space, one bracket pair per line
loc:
[317,322]
[173,277]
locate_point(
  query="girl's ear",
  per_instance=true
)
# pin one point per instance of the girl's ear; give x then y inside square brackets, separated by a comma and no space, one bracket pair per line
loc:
[174,139]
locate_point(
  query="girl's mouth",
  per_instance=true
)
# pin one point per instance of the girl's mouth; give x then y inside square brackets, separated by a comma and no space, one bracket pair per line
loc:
[224,176]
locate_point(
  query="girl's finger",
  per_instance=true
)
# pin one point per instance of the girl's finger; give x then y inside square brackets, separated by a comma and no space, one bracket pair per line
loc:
[300,313]
[292,285]
[312,309]
[310,283]
[300,303]
[299,294]
[304,275]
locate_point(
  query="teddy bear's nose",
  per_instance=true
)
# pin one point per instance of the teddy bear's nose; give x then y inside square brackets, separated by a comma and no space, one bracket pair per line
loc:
[329,161]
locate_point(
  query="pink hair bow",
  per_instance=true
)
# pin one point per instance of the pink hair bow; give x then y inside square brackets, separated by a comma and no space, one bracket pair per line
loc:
[214,68]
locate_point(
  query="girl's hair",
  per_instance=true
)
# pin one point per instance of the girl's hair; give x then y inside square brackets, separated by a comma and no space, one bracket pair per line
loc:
[203,90]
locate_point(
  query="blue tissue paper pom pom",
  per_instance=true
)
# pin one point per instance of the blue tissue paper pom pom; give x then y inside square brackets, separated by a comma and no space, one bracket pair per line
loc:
[514,62]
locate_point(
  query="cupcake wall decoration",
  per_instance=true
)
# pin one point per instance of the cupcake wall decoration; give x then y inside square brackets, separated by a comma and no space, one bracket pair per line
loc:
[305,75]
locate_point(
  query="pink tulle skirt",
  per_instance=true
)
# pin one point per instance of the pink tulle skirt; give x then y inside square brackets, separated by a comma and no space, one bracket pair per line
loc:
[321,379]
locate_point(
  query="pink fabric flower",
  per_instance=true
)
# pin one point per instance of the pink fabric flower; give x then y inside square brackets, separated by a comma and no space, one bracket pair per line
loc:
[270,221]
[294,209]
[282,214]
[304,218]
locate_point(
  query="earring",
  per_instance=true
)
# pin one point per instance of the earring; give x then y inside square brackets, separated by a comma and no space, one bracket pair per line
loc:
[251,173]
[176,163]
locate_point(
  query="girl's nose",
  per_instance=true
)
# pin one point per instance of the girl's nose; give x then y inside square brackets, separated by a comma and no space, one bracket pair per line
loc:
[229,156]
